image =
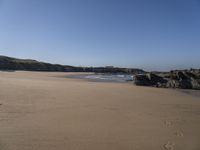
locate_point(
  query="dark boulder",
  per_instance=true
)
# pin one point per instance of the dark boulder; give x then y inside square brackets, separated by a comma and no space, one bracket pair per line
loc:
[191,75]
[185,84]
[181,75]
[149,79]
[155,79]
[142,80]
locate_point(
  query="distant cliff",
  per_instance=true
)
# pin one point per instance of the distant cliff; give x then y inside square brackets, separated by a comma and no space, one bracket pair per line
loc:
[9,63]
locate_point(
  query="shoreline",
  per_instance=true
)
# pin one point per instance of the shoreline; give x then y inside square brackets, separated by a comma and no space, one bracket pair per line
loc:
[84,77]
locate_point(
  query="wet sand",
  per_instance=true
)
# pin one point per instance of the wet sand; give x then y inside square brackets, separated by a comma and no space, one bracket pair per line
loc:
[45,111]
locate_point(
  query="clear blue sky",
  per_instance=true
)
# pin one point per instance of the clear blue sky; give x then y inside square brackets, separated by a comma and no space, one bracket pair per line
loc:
[148,34]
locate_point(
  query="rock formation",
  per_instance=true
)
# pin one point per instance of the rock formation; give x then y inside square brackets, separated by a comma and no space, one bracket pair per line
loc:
[184,79]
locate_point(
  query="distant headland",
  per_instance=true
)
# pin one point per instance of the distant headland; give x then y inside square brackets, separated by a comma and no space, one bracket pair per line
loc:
[10,63]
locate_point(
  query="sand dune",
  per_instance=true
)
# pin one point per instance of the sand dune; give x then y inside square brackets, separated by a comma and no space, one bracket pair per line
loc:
[45,111]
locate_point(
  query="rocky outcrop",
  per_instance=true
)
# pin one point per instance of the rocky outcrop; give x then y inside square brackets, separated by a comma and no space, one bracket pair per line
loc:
[187,79]
[149,79]
[184,79]
[142,80]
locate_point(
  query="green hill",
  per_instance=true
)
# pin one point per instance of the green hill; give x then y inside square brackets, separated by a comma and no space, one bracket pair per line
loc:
[9,63]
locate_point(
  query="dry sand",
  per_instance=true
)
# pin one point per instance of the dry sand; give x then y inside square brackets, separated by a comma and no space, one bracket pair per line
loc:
[44,111]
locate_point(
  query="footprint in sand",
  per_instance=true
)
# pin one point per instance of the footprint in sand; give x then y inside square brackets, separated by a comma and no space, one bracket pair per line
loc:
[169,146]
[168,123]
[179,133]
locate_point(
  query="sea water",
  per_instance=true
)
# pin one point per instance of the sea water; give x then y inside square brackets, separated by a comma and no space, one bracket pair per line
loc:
[109,77]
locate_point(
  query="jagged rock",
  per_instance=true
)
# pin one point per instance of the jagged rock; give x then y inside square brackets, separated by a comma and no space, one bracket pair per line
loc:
[195,84]
[149,79]
[142,80]
[172,84]
[175,79]
[155,79]
[183,80]
[191,75]
[181,75]
[185,84]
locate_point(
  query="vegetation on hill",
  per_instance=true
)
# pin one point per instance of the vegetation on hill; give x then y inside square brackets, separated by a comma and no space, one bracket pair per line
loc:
[9,63]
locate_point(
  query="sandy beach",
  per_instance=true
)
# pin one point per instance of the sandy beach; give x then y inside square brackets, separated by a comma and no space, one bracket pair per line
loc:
[46,111]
